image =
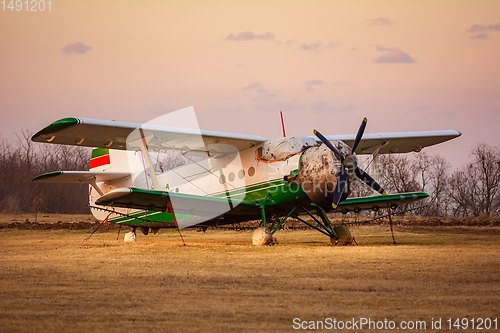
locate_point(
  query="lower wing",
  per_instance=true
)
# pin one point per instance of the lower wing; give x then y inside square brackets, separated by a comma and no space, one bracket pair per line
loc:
[379,201]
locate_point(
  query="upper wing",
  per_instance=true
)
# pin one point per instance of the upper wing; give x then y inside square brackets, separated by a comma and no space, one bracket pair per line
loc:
[402,142]
[115,135]
[379,201]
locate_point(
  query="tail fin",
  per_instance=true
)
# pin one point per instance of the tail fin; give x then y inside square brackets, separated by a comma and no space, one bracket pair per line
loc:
[111,161]
[100,159]
[104,159]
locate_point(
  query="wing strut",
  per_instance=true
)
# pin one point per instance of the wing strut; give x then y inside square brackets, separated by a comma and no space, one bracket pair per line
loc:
[93,183]
[376,161]
[390,222]
[171,209]
[142,144]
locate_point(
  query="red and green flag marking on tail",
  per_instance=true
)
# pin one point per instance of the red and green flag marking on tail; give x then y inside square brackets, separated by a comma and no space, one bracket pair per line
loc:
[100,157]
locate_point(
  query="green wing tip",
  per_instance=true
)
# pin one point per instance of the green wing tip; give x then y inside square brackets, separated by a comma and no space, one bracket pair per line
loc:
[47,176]
[57,126]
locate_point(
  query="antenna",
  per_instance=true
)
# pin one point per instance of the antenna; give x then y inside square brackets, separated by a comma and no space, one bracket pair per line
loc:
[282,123]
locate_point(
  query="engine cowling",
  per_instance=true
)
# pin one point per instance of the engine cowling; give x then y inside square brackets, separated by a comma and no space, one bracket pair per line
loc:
[319,169]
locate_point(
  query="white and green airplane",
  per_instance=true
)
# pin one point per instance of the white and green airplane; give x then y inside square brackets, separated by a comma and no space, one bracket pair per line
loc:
[232,177]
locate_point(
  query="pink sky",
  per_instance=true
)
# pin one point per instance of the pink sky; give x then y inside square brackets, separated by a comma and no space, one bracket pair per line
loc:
[406,65]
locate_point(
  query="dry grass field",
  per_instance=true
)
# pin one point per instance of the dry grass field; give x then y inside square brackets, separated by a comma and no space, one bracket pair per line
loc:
[54,281]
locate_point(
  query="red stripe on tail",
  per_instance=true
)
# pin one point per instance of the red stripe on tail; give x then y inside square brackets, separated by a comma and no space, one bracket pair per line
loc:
[99,161]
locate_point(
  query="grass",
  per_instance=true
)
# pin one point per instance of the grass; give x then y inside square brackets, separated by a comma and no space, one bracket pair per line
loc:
[54,281]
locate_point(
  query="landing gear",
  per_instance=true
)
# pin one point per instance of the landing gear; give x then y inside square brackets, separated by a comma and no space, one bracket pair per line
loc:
[324,226]
[130,236]
[339,235]
[344,236]
[263,236]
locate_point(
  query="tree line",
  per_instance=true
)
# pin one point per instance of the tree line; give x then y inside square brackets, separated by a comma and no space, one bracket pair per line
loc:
[471,190]
[23,160]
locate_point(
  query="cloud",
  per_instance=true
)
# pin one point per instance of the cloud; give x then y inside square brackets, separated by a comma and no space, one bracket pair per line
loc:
[311,47]
[312,83]
[260,89]
[249,36]
[380,21]
[395,57]
[323,107]
[480,30]
[495,27]
[480,36]
[476,28]
[483,28]
[317,47]
[76,48]
[254,86]
[385,49]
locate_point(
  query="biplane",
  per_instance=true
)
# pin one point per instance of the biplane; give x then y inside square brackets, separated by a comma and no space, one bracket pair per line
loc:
[230,178]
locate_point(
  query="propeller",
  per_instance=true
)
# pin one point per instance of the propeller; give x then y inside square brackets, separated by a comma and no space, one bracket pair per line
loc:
[349,163]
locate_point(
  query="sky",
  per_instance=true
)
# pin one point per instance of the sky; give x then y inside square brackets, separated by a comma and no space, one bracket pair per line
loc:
[405,65]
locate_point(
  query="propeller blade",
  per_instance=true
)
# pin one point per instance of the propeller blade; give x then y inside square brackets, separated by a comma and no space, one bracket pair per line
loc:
[369,181]
[339,189]
[359,135]
[328,144]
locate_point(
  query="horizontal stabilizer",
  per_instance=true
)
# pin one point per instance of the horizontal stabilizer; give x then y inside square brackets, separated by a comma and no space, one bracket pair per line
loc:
[379,201]
[80,176]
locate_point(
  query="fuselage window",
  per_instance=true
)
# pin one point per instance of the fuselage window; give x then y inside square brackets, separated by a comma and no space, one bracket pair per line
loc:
[259,152]
[241,174]
[231,176]
[251,171]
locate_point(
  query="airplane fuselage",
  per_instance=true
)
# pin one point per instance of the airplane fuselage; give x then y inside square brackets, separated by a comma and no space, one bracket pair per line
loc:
[239,178]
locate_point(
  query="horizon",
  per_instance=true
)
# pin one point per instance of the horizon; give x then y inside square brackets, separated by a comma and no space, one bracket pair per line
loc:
[406,66]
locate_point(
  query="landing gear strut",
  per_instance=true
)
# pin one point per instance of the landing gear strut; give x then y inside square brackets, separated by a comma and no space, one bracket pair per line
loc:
[264,235]
[324,226]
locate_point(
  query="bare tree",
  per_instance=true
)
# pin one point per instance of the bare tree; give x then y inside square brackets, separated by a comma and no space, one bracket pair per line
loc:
[22,160]
[475,189]
[398,174]
[433,176]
